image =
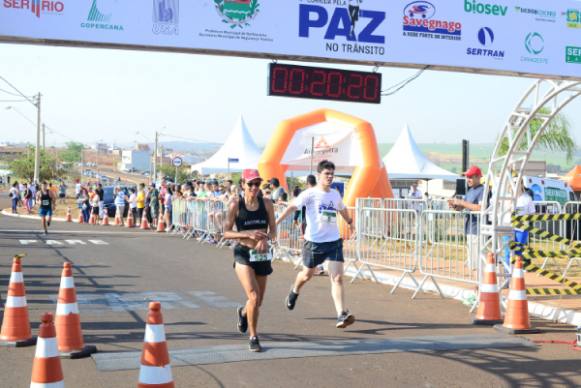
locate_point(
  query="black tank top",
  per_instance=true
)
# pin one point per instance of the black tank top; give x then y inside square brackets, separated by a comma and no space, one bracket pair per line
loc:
[250,220]
[45,200]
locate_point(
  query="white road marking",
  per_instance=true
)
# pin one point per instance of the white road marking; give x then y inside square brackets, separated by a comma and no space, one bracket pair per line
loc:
[61,243]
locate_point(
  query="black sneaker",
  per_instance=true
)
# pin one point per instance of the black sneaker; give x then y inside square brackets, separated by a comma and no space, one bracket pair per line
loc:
[242,320]
[254,345]
[345,319]
[291,300]
[48,223]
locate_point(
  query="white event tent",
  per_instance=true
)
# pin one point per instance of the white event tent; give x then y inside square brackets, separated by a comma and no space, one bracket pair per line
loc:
[238,152]
[406,161]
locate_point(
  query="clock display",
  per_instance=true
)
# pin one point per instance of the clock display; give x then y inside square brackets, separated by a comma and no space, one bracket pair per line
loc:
[324,83]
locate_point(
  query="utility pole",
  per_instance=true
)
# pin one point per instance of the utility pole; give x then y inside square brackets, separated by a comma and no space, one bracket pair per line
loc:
[44,137]
[154,175]
[37,150]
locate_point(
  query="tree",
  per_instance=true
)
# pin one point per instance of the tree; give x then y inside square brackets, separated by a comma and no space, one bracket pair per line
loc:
[50,167]
[556,137]
[170,172]
[72,154]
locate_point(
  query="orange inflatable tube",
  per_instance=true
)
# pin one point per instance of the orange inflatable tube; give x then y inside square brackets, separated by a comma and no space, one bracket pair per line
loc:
[368,180]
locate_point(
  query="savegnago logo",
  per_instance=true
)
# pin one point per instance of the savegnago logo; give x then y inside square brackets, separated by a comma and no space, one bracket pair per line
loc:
[486,39]
[100,15]
[237,13]
[419,21]
[36,7]
[534,44]
[345,26]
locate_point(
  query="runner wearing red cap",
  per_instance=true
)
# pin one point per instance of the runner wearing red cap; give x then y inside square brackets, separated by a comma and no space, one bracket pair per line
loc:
[255,226]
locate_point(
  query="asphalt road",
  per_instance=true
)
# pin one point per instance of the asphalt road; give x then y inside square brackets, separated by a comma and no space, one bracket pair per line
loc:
[395,342]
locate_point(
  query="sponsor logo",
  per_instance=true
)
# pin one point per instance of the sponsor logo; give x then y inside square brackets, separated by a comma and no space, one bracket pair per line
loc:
[100,16]
[573,54]
[237,13]
[166,17]
[534,44]
[36,7]
[541,15]
[573,18]
[472,6]
[346,27]
[486,38]
[322,147]
[419,21]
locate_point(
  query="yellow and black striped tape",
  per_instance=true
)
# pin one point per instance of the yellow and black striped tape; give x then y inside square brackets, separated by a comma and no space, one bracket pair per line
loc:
[530,253]
[547,235]
[551,291]
[551,275]
[546,217]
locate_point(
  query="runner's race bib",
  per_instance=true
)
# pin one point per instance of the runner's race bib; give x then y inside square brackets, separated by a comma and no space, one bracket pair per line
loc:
[45,202]
[328,217]
[256,257]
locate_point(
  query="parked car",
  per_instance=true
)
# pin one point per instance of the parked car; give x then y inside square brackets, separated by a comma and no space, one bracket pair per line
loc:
[109,199]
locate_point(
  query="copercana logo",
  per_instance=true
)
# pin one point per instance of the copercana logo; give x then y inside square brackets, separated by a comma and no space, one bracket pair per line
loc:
[36,7]
[486,39]
[166,17]
[534,44]
[100,15]
[573,18]
[472,6]
[573,54]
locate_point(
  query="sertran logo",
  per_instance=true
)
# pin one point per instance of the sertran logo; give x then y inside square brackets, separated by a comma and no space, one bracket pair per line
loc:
[472,6]
[100,15]
[237,13]
[486,38]
[419,21]
[534,43]
[36,7]
[573,54]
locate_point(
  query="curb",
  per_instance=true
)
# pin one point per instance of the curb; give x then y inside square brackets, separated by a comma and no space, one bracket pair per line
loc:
[8,213]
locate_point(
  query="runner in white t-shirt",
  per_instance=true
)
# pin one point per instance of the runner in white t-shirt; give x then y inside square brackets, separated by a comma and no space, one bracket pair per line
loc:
[322,238]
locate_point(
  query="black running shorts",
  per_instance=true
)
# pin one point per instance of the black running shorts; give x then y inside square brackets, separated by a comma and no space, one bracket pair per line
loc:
[315,254]
[242,256]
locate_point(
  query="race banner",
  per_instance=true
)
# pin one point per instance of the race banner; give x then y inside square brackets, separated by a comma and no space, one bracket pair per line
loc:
[516,37]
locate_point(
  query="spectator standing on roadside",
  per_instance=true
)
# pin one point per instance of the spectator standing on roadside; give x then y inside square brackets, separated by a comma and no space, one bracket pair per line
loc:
[154,204]
[84,204]
[101,193]
[14,197]
[277,190]
[133,202]
[140,202]
[77,188]
[168,208]
[120,199]
[27,198]
[62,191]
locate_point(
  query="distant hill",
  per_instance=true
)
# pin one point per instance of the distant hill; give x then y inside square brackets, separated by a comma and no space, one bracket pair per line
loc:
[449,156]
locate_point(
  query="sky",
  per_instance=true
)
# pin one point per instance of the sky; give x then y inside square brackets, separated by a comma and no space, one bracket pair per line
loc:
[123,97]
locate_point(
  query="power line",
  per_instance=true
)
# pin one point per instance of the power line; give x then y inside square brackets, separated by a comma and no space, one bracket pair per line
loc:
[12,100]
[19,92]
[9,92]
[402,84]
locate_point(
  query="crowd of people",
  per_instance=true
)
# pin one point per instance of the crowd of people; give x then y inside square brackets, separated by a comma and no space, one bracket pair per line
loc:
[24,195]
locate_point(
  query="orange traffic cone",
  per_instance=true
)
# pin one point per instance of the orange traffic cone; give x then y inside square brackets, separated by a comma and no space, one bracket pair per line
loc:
[16,325]
[155,370]
[488,312]
[130,220]
[516,320]
[105,221]
[46,367]
[69,215]
[160,224]
[68,321]
[81,219]
[117,219]
[144,223]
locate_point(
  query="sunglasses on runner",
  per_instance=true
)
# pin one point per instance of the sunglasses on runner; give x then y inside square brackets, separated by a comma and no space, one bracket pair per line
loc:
[256,184]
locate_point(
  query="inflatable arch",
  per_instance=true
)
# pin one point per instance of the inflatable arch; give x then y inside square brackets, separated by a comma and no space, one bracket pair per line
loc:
[346,140]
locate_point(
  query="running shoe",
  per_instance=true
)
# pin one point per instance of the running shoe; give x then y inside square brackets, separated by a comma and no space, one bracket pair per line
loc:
[254,345]
[242,320]
[291,300]
[48,223]
[345,319]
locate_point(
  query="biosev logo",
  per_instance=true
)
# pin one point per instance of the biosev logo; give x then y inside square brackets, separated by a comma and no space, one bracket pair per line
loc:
[419,21]
[100,15]
[472,6]
[237,13]
[486,39]
[36,7]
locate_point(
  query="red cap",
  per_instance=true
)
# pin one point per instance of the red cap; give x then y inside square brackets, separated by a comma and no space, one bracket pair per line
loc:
[472,171]
[250,175]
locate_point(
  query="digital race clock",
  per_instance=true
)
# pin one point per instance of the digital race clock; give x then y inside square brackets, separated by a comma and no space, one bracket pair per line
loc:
[324,83]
